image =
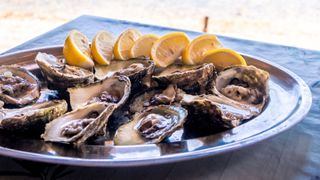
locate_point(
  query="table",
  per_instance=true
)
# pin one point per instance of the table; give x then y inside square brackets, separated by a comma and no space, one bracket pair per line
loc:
[294,154]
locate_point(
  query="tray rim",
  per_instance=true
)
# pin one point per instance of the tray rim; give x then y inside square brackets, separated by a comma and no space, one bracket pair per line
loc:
[305,102]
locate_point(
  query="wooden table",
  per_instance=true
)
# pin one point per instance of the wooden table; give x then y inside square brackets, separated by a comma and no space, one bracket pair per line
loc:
[294,154]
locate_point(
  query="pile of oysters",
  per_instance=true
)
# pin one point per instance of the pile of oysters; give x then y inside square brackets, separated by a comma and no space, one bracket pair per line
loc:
[129,102]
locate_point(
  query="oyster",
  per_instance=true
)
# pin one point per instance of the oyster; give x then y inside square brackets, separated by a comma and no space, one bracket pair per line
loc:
[154,97]
[18,86]
[115,89]
[61,76]
[32,116]
[189,78]
[244,84]
[151,125]
[138,70]
[217,110]
[79,125]
[238,93]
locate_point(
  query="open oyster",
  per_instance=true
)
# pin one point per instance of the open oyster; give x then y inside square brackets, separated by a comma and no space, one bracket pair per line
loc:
[79,125]
[18,86]
[217,110]
[115,89]
[31,117]
[244,84]
[138,70]
[61,76]
[155,97]
[238,93]
[189,78]
[151,125]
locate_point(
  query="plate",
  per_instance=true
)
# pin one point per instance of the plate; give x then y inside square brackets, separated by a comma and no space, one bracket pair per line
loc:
[290,100]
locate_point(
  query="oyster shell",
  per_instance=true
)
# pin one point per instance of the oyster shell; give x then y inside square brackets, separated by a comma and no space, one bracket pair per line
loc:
[244,84]
[221,111]
[18,86]
[61,76]
[189,78]
[79,125]
[138,70]
[238,93]
[115,89]
[151,125]
[168,96]
[32,117]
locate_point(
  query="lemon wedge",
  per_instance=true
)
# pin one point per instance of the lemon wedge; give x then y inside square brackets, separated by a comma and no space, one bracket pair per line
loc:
[102,47]
[169,48]
[223,58]
[124,43]
[142,47]
[76,50]
[193,54]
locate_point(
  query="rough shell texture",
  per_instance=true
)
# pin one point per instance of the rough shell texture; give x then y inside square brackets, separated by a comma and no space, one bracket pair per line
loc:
[31,117]
[61,76]
[115,89]
[245,84]
[54,131]
[222,111]
[238,93]
[18,86]
[151,126]
[192,79]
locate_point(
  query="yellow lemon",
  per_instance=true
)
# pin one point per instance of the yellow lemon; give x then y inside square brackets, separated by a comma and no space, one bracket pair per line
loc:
[102,47]
[76,50]
[169,48]
[223,58]
[194,52]
[124,43]
[142,47]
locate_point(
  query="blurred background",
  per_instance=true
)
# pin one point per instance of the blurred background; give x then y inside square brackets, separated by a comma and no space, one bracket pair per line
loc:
[289,22]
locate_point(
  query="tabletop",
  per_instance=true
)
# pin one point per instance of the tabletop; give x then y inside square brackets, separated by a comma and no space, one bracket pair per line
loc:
[294,154]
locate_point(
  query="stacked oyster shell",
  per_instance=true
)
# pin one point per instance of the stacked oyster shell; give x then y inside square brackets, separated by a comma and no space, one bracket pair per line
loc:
[157,102]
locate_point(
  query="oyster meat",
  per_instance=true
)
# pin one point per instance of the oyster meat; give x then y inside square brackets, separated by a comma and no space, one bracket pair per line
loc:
[138,70]
[190,78]
[168,96]
[32,117]
[61,76]
[238,93]
[219,111]
[115,89]
[18,86]
[79,125]
[151,126]
[244,84]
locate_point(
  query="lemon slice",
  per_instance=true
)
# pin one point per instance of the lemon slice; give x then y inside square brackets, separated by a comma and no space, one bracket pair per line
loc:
[194,52]
[76,50]
[102,47]
[223,58]
[124,43]
[142,47]
[169,48]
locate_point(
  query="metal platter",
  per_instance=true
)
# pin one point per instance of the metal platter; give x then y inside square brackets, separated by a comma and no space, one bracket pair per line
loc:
[287,91]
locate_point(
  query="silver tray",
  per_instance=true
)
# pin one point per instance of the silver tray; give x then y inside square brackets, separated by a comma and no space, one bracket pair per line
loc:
[290,101]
